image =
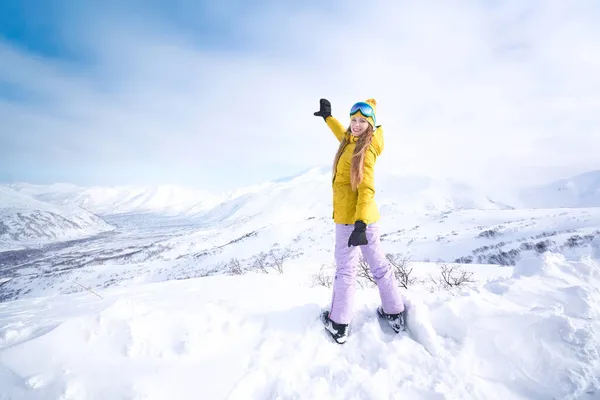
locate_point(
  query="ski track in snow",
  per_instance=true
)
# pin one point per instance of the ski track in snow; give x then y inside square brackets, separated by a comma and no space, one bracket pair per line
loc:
[534,335]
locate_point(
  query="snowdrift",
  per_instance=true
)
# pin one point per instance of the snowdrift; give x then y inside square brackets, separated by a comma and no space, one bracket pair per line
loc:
[534,334]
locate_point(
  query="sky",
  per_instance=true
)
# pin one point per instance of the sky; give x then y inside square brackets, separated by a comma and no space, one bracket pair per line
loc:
[219,95]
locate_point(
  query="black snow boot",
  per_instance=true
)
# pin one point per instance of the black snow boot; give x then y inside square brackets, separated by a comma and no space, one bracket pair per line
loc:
[339,332]
[396,321]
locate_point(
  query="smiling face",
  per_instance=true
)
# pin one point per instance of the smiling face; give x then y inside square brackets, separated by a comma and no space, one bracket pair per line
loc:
[358,125]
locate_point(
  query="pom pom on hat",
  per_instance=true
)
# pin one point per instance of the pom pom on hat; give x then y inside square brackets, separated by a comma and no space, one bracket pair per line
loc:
[373,104]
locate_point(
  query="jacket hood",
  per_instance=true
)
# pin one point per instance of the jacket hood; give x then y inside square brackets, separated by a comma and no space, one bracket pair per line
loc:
[377,142]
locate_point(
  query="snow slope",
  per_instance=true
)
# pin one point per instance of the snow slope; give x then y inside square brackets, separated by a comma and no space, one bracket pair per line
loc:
[25,221]
[420,194]
[578,191]
[166,199]
[290,198]
[145,248]
[295,214]
[533,333]
[286,200]
[308,195]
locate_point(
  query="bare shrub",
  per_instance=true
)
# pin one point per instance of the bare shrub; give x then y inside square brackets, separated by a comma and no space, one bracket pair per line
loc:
[260,262]
[400,268]
[322,278]
[578,240]
[490,233]
[274,259]
[235,267]
[278,257]
[543,246]
[451,276]
[402,272]
[526,246]
[464,260]
[363,273]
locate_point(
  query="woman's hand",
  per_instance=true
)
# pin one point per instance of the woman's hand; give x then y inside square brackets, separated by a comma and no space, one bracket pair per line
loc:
[324,110]
[358,237]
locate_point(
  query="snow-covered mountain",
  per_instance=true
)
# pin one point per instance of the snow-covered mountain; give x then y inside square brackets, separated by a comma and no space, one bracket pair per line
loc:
[170,200]
[425,219]
[308,195]
[421,194]
[579,191]
[25,221]
[106,296]
[291,198]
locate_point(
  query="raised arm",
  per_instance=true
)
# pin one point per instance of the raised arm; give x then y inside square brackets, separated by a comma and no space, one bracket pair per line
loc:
[336,126]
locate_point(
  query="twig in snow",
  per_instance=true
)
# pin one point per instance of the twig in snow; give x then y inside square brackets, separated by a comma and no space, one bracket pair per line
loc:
[89,290]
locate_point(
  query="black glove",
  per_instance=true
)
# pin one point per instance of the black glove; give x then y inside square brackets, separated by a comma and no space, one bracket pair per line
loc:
[359,235]
[325,110]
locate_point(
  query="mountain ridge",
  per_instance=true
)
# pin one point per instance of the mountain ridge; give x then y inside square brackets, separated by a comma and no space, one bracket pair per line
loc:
[433,194]
[578,191]
[26,221]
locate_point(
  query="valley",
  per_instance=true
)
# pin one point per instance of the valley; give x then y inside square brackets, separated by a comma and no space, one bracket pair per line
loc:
[287,220]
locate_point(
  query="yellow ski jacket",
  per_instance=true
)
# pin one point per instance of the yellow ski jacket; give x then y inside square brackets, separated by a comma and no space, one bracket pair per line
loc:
[353,205]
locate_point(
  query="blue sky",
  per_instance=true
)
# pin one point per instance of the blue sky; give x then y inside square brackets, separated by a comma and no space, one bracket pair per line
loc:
[221,94]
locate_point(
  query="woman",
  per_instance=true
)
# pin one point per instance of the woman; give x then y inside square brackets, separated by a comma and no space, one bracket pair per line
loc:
[356,216]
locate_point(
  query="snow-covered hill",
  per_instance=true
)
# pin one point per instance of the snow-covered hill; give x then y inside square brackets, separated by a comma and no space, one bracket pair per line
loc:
[286,200]
[167,200]
[114,312]
[26,222]
[576,192]
[292,198]
[146,249]
[424,219]
[420,194]
[531,332]
[308,195]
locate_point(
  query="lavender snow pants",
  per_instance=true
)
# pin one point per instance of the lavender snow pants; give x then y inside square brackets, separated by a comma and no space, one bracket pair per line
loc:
[346,259]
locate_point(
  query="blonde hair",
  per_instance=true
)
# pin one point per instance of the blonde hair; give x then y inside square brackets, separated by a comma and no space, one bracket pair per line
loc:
[357,167]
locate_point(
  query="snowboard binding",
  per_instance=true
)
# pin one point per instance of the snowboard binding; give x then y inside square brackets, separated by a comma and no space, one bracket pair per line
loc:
[339,332]
[396,321]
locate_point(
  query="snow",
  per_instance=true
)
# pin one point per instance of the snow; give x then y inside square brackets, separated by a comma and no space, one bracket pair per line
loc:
[152,247]
[28,222]
[421,194]
[575,192]
[170,200]
[522,333]
[424,212]
[151,310]
[596,246]
[291,198]
[14,200]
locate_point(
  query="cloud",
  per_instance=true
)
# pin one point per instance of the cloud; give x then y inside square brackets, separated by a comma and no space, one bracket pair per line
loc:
[490,93]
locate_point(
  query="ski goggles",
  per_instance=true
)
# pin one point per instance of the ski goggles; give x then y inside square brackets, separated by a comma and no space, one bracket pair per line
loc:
[364,108]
